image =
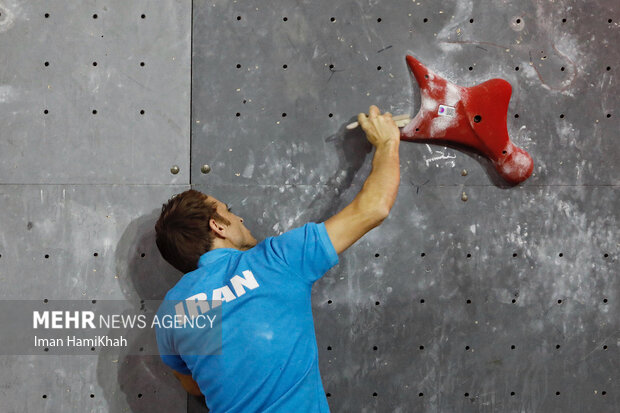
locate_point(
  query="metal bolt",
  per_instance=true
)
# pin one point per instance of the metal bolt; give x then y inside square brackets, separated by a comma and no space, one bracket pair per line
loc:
[205,169]
[174,170]
[464,197]
[464,172]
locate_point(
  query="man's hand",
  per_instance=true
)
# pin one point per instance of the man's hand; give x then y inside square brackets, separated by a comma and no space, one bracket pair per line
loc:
[374,202]
[379,129]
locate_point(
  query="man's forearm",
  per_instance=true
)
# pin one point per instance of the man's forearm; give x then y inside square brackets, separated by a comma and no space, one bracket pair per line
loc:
[381,187]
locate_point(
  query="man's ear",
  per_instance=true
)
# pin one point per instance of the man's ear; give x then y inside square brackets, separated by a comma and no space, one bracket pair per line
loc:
[218,228]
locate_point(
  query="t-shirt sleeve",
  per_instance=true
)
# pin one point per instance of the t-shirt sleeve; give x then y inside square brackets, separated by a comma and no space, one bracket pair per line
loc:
[306,250]
[167,353]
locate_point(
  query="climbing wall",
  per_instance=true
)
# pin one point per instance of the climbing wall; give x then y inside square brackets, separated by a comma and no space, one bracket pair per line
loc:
[472,296]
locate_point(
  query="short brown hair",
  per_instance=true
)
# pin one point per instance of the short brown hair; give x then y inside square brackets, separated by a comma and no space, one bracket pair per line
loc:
[182,231]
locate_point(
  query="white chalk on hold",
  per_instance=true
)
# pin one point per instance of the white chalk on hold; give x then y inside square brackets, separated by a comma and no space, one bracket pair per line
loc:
[400,120]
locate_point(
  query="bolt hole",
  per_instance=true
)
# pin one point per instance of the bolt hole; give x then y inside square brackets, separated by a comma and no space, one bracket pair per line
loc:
[468,301]
[422,301]
[379,20]
[471,20]
[516,115]
[517,68]
[376,255]
[518,21]
[562,116]
[504,152]
[477,118]
[471,68]
[562,68]
[238,17]
[423,254]
[285,18]
[425,20]
[377,303]
[333,19]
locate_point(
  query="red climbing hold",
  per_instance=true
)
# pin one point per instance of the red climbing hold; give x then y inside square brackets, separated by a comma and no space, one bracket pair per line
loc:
[473,116]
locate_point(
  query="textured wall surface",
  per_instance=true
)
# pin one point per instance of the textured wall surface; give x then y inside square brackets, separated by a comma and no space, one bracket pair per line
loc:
[505,302]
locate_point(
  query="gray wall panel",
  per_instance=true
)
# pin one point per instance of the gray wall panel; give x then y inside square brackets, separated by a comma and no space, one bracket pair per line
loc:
[118,144]
[281,172]
[70,224]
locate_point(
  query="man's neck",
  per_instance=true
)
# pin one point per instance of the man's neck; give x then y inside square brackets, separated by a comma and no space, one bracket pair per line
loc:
[222,243]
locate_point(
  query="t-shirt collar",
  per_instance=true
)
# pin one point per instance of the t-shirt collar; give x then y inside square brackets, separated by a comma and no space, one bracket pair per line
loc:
[213,255]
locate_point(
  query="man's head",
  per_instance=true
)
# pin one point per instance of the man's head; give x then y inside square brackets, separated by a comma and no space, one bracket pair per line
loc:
[192,223]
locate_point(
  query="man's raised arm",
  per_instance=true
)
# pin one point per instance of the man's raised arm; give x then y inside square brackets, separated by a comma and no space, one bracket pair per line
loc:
[374,202]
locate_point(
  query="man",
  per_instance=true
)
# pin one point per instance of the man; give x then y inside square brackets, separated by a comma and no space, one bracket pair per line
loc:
[269,357]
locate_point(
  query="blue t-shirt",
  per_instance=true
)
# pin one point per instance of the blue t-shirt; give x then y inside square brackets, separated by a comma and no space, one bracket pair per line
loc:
[269,356]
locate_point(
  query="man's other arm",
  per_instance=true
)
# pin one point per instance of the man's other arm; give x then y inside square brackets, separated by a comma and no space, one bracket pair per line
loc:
[373,203]
[188,383]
